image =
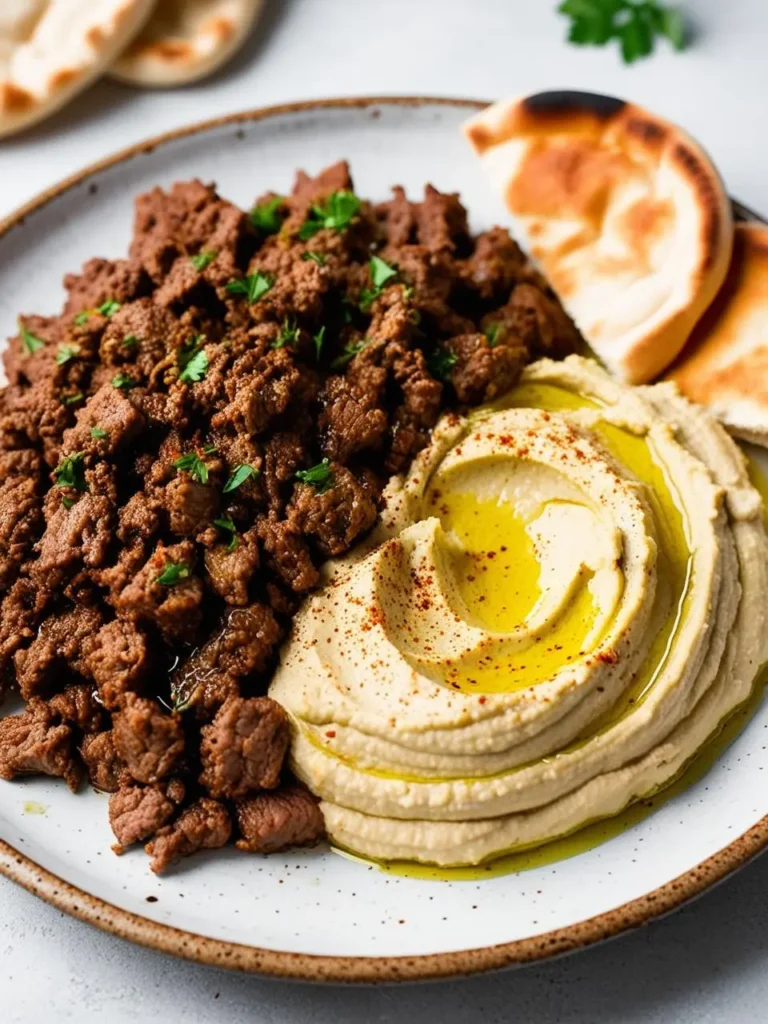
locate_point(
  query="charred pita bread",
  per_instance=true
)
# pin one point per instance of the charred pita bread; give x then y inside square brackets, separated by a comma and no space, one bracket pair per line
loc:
[50,50]
[624,213]
[724,365]
[186,40]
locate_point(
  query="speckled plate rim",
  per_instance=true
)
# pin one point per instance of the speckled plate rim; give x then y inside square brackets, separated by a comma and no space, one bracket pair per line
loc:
[310,967]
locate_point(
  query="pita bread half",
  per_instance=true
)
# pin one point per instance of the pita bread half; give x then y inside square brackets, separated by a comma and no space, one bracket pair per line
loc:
[50,50]
[624,213]
[186,40]
[725,362]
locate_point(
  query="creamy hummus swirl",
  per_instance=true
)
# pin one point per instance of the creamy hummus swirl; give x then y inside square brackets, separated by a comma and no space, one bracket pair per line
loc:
[562,603]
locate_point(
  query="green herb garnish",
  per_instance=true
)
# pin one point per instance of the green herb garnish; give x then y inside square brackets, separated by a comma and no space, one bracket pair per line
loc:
[267,216]
[30,341]
[210,449]
[239,475]
[72,399]
[319,340]
[66,352]
[124,382]
[195,369]
[255,286]
[492,332]
[67,503]
[634,23]
[335,213]
[349,353]
[203,259]
[289,334]
[194,465]
[317,257]
[380,272]
[173,573]
[320,476]
[129,341]
[98,434]
[441,362]
[109,307]
[82,317]
[228,527]
[70,472]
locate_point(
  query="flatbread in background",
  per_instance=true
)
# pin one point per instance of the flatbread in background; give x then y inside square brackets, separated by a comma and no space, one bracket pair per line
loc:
[50,50]
[186,40]
[725,362]
[624,213]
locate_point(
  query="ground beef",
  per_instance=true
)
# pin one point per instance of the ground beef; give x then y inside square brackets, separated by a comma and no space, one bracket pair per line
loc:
[183,445]
[205,825]
[272,821]
[243,748]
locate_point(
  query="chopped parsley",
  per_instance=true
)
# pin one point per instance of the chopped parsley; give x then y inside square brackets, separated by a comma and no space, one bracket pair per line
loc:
[123,382]
[30,341]
[320,476]
[317,257]
[82,317]
[109,307]
[255,286]
[72,399]
[210,449]
[335,213]
[350,351]
[289,334]
[173,573]
[67,502]
[318,340]
[441,362]
[129,341]
[267,216]
[98,434]
[634,23]
[228,527]
[239,475]
[70,472]
[203,259]
[380,273]
[192,463]
[492,332]
[66,352]
[195,369]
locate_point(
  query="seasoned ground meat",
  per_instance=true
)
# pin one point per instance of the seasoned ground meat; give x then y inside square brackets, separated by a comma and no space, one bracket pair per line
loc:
[243,748]
[183,445]
[274,820]
[205,825]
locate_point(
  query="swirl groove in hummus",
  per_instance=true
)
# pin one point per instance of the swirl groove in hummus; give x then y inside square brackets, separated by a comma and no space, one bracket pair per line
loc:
[563,602]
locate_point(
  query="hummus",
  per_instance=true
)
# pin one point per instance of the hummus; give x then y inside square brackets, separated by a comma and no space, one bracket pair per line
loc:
[564,600]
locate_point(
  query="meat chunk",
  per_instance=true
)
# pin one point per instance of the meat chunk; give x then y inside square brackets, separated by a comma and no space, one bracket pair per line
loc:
[352,417]
[20,522]
[541,324]
[104,281]
[230,570]
[118,660]
[264,388]
[243,748]
[441,220]
[284,453]
[484,371]
[149,741]
[205,825]
[287,553]
[191,505]
[275,820]
[75,537]
[165,592]
[59,647]
[110,415]
[137,812]
[418,410]
[496,264]
[37,742]
[398,217]
[104,765]
[334,517]
[77,706]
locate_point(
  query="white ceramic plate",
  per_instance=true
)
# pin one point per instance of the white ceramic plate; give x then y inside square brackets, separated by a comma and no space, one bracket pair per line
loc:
[313,913]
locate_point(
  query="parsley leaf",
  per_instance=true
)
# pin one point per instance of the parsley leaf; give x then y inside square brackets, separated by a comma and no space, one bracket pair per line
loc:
[492,332]
[98,434]
[441,362]
[82,317]
[350,351]
[255,286]
[109,307]
[317,257]
[289,334]
[70,472]
[67,503]
[228,527]
[192,463]
[380,273]
[203,259]
[123,382]
[78,396]
[173,573]
[239,475]
[210,449]
[30,341]
[267,216]
[634,23]
[335,213]
[320,476]
[195,368]
[319,340]
[129,341]
[66,352]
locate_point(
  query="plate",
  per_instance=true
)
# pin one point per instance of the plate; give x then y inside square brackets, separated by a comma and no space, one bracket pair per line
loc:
[312,913]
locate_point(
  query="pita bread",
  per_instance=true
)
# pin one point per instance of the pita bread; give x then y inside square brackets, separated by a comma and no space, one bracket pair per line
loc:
[625,214]
[186,40]
[50,50]
[725,362]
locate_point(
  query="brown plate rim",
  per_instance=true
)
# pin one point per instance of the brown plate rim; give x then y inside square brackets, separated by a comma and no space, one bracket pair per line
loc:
[311,967]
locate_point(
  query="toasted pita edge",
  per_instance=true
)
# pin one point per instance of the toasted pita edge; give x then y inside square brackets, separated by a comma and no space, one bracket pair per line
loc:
[183,58]
[648,348]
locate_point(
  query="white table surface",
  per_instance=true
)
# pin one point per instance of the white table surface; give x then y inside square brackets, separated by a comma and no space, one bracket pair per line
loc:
[706,963]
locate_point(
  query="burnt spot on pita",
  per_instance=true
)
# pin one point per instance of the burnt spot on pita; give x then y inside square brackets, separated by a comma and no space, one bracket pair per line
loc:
[709,200]
[568,102]
[650,132]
